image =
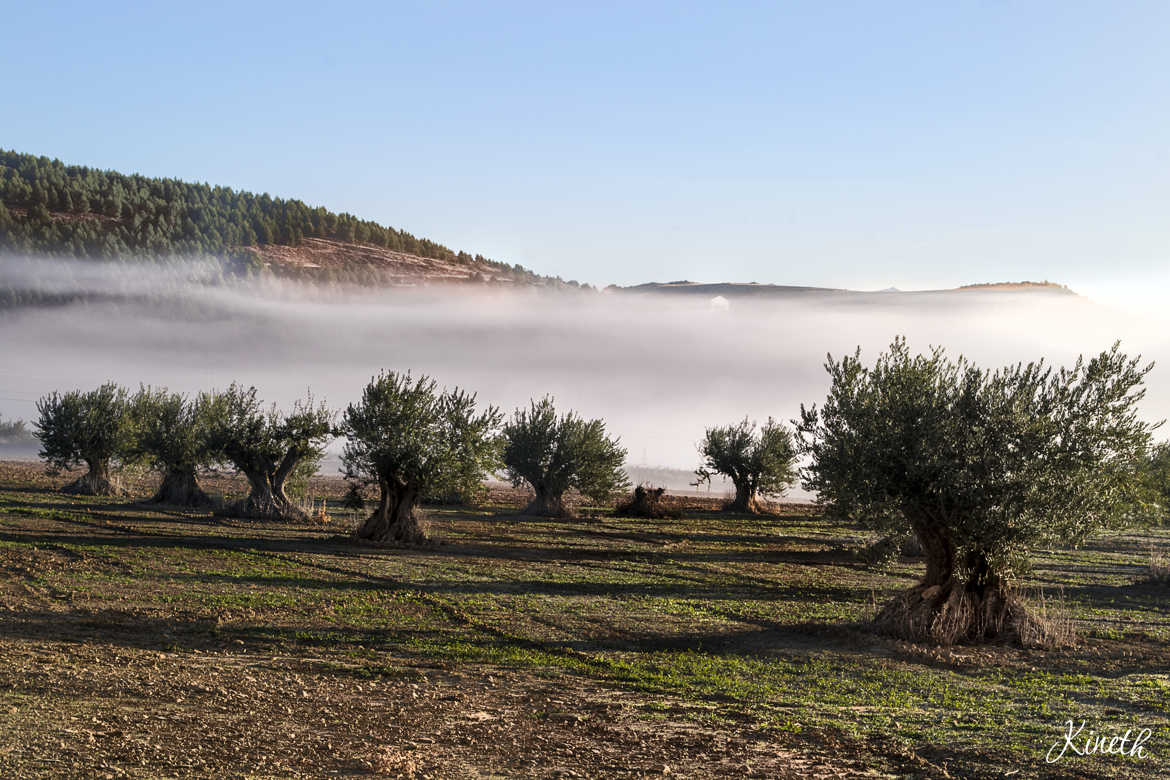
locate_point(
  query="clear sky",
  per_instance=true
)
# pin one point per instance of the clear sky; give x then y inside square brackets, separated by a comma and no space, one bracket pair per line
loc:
[829,143]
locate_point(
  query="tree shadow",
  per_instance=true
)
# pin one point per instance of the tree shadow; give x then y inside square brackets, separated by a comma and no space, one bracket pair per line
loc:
[490,546]
[1135,595]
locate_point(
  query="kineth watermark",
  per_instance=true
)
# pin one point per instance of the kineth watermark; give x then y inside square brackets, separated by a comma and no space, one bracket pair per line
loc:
[1075,741]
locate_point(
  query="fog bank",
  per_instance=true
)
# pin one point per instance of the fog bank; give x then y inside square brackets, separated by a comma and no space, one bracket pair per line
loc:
[657,368]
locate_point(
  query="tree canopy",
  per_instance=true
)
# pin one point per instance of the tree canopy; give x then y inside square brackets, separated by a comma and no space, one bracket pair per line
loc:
[172,433]
[982,465]
[410,439]
[760,461]
[12,431]
[266,445]
[554,454]
[91,428]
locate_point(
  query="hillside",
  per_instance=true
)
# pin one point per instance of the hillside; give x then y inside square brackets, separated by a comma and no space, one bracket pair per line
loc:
[50,208]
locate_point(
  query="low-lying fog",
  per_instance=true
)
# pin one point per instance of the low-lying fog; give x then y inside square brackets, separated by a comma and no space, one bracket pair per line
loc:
[657,368]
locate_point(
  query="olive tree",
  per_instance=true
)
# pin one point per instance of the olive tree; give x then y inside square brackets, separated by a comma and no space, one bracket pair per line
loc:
[982,466]
[554,453]
[13,431]
[266,446]
[85,427]
[409,438]
[172,433]
[759,461]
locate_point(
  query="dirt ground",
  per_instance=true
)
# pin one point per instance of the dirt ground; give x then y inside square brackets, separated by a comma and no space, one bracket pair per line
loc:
[144,641]
[133,691]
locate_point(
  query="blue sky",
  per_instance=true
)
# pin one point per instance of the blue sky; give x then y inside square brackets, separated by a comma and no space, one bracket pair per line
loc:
[842,144]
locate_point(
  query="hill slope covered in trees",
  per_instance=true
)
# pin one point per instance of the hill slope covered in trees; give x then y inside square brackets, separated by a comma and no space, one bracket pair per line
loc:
[49,208]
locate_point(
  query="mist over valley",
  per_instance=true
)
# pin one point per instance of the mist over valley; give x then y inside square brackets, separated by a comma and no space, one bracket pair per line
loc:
[659,368]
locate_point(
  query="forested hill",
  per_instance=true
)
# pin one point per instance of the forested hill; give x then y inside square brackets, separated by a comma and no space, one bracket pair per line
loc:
[49,208]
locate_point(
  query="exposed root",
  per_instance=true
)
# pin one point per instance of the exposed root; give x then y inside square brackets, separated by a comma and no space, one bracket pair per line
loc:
[953,613]
[181,489]
[401,524]
[92,485]
[548,506]
[253,508]
[748,504]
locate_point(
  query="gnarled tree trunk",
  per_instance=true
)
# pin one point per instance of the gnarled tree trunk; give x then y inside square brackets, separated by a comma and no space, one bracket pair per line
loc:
[945,607]
[394,520]
[547,504]
[180,488]
[267,500]
[939,551]
[97,481]
[745,500]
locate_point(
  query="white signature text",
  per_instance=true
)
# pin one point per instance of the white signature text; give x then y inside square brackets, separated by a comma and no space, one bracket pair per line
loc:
[1127,744]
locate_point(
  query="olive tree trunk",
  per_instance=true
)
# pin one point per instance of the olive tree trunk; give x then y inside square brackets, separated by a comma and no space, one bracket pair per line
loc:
[97,481]
[547,504]
[939,551]
[266,499]
[394,520]
[180,487]
[745,500]
[950,605]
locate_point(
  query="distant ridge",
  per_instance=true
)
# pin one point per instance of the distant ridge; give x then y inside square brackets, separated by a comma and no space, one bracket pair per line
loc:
[756,290]
[1045,286]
